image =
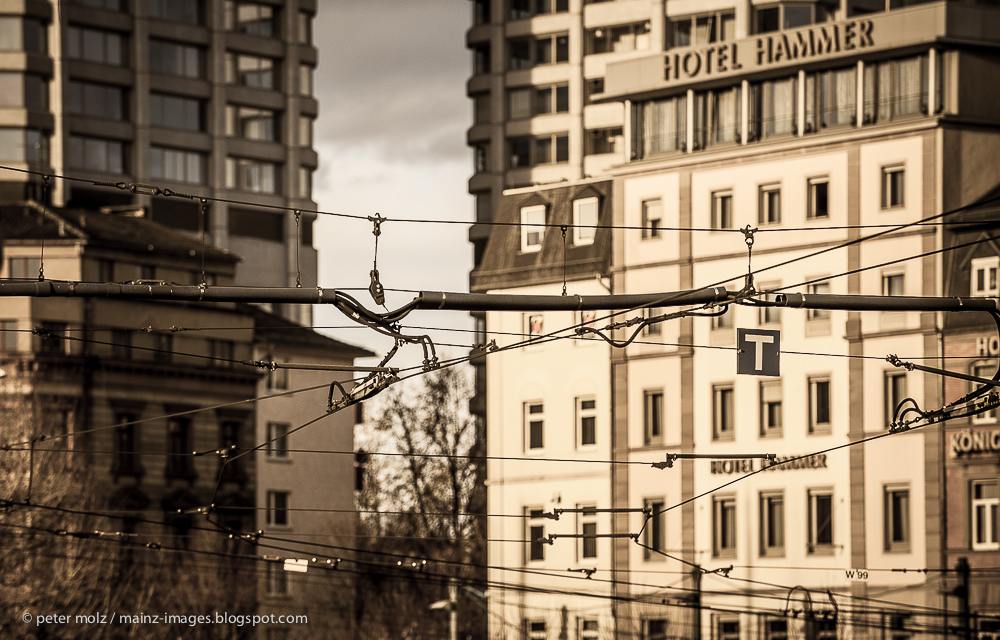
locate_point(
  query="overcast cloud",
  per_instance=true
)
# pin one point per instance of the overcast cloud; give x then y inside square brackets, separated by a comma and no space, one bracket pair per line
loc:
[391,139]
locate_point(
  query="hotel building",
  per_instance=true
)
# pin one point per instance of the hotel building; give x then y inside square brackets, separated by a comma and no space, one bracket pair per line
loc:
[818,125]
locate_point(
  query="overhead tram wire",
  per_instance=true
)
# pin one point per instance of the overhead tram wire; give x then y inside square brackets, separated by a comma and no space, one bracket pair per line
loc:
[156,191]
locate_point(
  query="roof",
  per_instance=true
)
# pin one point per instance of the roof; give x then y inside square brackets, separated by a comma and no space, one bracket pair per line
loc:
[504,265]
[126,231]
[275,329]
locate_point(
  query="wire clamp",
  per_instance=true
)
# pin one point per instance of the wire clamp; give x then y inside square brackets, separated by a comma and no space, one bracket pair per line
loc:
[666,464]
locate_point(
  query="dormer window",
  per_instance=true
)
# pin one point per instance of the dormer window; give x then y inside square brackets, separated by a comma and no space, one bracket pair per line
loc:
[532,231]
[984,277]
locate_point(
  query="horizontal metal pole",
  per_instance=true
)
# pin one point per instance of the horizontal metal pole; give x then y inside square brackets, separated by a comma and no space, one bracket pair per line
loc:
[508,302]
[881,303]
[48,288]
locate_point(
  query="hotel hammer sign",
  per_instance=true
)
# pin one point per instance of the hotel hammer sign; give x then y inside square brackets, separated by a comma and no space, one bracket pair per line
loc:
[758,351]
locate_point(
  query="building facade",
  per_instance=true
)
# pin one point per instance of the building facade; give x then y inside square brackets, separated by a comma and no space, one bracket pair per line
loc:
[812,126]
[209,98]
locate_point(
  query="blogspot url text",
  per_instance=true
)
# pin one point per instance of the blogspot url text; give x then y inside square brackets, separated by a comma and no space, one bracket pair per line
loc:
[163,618]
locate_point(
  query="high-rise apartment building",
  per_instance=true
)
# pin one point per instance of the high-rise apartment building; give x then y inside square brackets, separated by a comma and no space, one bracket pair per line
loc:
[202,97]
[810,125]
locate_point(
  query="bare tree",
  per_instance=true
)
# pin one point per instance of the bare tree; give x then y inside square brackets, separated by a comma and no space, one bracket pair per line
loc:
[424,502]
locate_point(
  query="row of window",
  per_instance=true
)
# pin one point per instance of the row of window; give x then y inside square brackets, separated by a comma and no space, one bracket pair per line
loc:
[892,89]
[239,16]
[180,443]
[819,518]
[585,412]
[534,217]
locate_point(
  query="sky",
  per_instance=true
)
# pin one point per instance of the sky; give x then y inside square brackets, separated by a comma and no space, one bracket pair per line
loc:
[393,115]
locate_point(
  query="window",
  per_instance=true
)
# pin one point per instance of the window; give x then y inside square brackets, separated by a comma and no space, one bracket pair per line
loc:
[163,347]
[724,321]
[765,314]
[586,421]
[96,100]
[584,220]
[654,534]
[528,151]
[126,445]
[481,58]
[819,404]
[897,518]
[481,12]
[532,231]
[818,194]
[775,629]
[277,579]
[772,524]
[534,426]
[659,126]
[791,15]
[535,533]
[277,508]
[277,440]
[28,90]
[24,145]
[589,630]
[825,628]
[251,71]
[894,392]
[892,284]
[96,45]
[177,165]
[186,11]
[229,440]
[773,108]
[818,288]
[820,521]
[770,408]
[95,154]
[654,629]
[176,112]
[8,335]
[652,416]
[617,38]
[652,219]
[524,53]
[724,526]
[481,157]
[722,210]
[717,117]
[894,89]
[121,343]
[984,277]
[588,529]
[525,102]
[591,88]
[23,268]
[602,141]
[831,99]
[482,108]
[277,379]
[175,59]
[252,123]
[535,630]
[705,28]
[727,628]
[723,412]
[520,9]
[179,448]
[769,204]
[534,324]
[305,80]
[305,185]
[983,370]
[257,176]
[251,18]
[653,329]
[985,508]
[305,27]
[305,131]
[892,186]
[22,34]
[221,351]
